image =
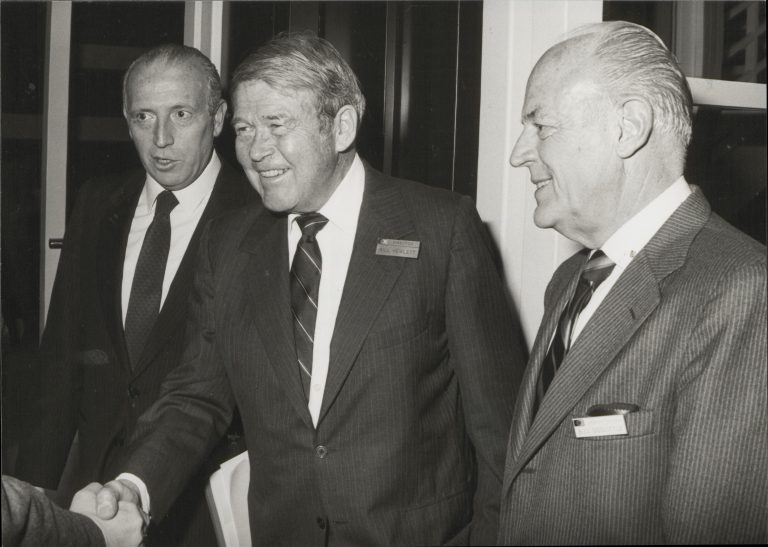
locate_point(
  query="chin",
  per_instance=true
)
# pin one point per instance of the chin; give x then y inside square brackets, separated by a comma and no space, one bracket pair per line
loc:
[541,220]
[277,205]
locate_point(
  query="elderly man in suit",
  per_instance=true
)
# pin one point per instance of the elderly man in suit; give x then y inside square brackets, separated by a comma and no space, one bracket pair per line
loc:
[31,519]
[357,320]
[642,413]
[119,305]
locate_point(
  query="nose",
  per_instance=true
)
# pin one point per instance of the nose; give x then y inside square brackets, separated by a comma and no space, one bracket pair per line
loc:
[163,133]
[524,150]
[262,145]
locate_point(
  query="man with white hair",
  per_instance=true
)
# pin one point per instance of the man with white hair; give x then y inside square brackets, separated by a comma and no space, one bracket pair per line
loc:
[642,414]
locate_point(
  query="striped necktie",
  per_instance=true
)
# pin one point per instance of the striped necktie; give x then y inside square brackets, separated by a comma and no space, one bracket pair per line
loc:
[147,286]
[594,272]
[306,270]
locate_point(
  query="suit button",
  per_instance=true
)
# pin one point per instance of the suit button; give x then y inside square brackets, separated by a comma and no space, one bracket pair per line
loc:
[133,392]
[321,523]
[119,441]
[321,451]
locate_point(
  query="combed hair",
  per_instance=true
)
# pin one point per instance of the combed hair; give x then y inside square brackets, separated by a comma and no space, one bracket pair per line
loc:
[633,60]
[304,61]
[176,54]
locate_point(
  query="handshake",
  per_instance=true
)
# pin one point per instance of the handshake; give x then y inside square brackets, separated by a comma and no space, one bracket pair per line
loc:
[116,509]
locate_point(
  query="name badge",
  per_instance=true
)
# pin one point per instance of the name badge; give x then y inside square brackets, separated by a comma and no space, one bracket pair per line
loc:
[599,426]
[398,247]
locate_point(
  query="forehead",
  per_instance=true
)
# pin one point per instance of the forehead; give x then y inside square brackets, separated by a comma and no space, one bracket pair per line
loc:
[561,86]
[160,82]
[258,98]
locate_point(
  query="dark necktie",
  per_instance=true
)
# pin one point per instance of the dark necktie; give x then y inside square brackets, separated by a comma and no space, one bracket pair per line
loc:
[306,270]
[147,287]
[595,271]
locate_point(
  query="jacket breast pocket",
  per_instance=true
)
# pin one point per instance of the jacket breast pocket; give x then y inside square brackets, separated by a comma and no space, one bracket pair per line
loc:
[639,424]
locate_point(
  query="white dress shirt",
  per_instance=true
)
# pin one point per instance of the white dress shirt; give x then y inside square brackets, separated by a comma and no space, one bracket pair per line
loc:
[184,219]
[629,239]
[335,240]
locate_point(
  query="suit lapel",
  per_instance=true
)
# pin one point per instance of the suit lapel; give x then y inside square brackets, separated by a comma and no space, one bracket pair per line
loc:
[370,278]
[524,406]
[173,313]
[113,236]
[267,279]
[629,303]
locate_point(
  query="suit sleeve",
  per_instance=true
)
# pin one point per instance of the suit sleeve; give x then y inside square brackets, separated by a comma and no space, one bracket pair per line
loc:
[30,518]
[175,435]
[54,398]
[717,488]
[487,353]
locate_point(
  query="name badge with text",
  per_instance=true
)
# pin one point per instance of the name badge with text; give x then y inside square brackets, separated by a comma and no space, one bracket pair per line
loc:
[599,426]
[398,247]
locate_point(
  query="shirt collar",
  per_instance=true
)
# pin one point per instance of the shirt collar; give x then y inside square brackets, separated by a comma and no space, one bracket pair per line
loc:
[632,236]
[190,196]
[343,207]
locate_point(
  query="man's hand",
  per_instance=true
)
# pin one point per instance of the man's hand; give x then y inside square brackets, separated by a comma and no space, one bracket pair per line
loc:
[126,522]
[113,492]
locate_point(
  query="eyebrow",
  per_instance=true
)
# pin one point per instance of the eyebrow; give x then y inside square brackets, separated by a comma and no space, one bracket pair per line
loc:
[530,115]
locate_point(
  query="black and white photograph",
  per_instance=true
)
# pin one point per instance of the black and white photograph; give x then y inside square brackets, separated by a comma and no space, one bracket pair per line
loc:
[383,272]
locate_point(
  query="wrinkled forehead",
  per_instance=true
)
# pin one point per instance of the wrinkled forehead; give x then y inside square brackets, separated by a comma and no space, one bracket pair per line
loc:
[249,93]
[562,85]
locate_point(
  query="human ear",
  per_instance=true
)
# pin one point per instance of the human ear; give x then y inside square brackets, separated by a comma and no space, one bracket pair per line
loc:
[635,124]
[345,127]
[218,118]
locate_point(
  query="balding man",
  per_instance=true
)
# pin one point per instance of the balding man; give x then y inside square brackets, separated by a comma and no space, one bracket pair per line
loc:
[642,414]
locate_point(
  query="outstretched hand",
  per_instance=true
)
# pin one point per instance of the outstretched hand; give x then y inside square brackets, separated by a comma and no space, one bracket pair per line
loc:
[114,508]
[113,492]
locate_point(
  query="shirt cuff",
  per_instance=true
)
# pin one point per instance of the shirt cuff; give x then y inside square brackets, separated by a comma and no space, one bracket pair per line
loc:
[143,492]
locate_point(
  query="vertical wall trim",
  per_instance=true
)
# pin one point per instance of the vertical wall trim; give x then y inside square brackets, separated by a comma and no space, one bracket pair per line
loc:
[54,170]
[456,94]
[390,81]
[203,28]
[515,34]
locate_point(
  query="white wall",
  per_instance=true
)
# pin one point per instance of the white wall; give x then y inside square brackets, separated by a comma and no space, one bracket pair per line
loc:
[515,34]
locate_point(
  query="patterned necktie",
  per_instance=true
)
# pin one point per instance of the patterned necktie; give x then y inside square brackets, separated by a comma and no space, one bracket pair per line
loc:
[595,271]
[147,287]
[306,270]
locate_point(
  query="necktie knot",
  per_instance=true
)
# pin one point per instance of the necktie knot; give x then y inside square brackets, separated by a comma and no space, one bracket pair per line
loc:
[165,203]
[310,224]
[597,269]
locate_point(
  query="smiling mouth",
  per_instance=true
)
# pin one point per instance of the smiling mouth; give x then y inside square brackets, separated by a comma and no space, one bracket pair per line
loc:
[541,183]
[164,162]
[271,173]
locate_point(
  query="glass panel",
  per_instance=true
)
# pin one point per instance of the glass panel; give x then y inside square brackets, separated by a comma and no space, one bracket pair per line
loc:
[427,106]
[435,84]
[248,25]
[358,31]
[719,40]
[106,37]
[23,62]
[727,160]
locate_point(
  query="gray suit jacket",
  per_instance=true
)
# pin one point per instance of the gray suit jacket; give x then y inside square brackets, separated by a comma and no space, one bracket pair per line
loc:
[424,364]
[682,335]
[30,519]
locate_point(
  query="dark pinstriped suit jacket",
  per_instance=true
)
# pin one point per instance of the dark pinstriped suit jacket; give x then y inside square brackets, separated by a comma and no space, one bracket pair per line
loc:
[87,384]
[682,335]
[425,361]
